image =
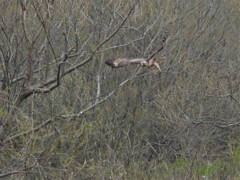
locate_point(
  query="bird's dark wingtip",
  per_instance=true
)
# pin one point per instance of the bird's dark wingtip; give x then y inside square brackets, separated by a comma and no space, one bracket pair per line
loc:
[109,62]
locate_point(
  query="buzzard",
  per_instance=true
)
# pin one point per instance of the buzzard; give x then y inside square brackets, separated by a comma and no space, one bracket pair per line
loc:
[123,62]
[150,62]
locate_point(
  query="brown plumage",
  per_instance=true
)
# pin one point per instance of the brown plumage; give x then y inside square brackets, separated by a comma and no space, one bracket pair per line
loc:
[123,62]
[150,62]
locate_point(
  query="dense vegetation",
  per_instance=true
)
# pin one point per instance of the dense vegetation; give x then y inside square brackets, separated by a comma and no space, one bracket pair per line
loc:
[65,115]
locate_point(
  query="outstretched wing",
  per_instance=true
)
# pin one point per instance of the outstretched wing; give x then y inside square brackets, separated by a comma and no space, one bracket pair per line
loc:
[122,62]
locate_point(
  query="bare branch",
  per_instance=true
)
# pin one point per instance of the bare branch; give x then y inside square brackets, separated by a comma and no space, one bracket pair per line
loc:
[18,171]
[103,99]
[24,14]
[44,124]
[73,68]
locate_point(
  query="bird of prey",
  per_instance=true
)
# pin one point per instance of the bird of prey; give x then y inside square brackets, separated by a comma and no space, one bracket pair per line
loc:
[123,62]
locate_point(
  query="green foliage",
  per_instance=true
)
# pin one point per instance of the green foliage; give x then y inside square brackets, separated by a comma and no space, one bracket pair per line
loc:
[210,169]
[3,113]
[236,153]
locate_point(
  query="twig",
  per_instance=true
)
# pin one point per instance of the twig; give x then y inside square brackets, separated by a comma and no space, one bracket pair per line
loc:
[18,171]
[52,80]
[135,75]
[29,131]
[159,49]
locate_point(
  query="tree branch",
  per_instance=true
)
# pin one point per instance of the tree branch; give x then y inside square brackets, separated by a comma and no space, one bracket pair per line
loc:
[43,88]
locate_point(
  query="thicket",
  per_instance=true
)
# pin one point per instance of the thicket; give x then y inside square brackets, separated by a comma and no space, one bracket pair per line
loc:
[65,115]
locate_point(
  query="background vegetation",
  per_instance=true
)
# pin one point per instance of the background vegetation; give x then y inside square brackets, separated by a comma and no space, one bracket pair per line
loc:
[65,115]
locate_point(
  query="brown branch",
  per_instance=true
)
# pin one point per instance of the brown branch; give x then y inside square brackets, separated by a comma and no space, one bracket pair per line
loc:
[103,99]
[44,124]
[18,171]
[159,49]
[91,106]
[43,88]
[24,14]
[41,19]
[109,37]
[71,69]
[49,121]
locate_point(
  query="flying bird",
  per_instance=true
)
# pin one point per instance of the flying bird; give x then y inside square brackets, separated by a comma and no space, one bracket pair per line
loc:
[123,62]
[150,62]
